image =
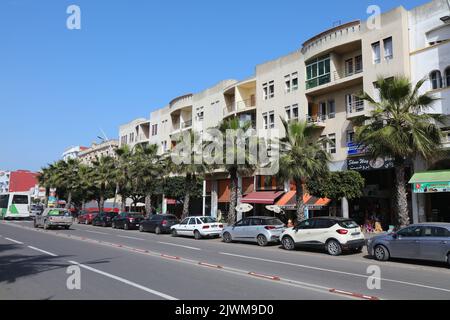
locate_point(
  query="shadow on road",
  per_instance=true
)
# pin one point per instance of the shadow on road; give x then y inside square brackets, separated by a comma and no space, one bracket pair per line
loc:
[423,263]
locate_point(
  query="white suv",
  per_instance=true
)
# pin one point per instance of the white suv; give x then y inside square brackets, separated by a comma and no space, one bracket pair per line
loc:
[333,234]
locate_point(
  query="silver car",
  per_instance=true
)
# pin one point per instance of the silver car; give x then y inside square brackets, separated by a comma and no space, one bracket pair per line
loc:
[426,241]
[53,217]
[262,230]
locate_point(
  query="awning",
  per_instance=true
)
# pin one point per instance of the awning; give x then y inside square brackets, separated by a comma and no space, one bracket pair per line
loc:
[171,201]
[262,197]
[287,202]
[431,181]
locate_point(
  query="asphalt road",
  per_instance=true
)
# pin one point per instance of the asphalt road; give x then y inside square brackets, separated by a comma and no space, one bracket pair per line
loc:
[118,265]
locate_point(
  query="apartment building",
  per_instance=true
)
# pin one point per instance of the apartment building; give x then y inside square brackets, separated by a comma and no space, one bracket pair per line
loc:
[134,133]
[319,83]
[97,150]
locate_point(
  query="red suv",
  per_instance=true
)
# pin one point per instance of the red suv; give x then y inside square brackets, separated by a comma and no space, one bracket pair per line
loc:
[86,217]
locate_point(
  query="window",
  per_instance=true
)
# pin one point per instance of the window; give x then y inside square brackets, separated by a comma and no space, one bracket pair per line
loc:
[318,72]
[19,199]
[154,130]
[376,52]
[354,103]
[323,224]
[243,223]
[358,64]
[271,120]
[307,224]
[388,50]
[268,90]
[323,110]
[447,77]
[4,199]
[332,144]
[436,79]
[349,67]
[266,121]
[331,109]
[292,113]
[200,114]
[350,136]
[410,232]
[291,82]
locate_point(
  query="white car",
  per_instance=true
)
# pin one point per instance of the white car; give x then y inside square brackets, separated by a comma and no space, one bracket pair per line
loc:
[198,227]
[331,233]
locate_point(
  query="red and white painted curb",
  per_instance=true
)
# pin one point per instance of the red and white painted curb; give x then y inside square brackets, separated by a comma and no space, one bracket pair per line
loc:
[355,295]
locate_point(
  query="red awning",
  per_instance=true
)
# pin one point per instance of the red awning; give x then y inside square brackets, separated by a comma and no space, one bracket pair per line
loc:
[262,197]
[171,201]
[287,202]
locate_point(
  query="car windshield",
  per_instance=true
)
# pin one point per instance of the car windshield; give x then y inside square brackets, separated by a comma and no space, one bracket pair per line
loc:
[171,218]
[272,222]
[207,220]
[348,224]
[61,213]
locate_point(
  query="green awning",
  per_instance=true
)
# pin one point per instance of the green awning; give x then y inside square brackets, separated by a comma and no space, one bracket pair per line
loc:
[431,176]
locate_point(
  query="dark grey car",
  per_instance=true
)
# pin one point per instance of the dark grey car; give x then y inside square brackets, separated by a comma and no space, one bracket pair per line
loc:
[425,241]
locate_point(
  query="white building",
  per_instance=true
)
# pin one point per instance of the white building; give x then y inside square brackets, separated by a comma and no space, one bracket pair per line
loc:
[72,152]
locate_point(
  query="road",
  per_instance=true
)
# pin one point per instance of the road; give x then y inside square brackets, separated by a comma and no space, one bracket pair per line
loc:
[119,264]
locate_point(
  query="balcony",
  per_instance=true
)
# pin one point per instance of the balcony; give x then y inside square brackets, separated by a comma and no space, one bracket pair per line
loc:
[355,109]
[318,120]
[333,81]
[239,107]
[180,126]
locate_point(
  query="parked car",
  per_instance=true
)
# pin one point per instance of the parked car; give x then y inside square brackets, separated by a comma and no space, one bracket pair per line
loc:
[158,224]
[333,234]
[53,217]
[103,219]
[199,227]
[127,220]
[262,230]
[36,209]
[426,241]
[86,217]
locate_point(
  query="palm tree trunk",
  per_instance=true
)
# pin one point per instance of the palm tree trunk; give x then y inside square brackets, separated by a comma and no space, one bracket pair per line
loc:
[233,198]
[187,196]
[101,203]
[401,195]
[123,204]
[148,204]
[299,200]
[69,200]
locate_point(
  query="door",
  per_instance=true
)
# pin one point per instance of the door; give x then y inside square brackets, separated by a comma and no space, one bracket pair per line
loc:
[255,228]
[435,243]
[302,233]
[190,227]
[239,229]
[181,229]
[320,231]
[407,243]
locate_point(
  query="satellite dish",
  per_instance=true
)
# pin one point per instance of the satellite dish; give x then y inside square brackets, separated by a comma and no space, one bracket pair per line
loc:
[275,209]
[244,207]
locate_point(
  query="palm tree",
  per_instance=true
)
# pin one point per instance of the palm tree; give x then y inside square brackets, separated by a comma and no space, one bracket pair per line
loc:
[399,128]
[146,171]
[235,169]
[67,178]
[302,158]
[124,168]
[103,178]
[192,171]
[45,179]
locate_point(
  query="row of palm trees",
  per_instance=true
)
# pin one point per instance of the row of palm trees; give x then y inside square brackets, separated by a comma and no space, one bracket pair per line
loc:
[397,127]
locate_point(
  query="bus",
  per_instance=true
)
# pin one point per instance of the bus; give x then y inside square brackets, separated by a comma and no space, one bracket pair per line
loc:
[14,205]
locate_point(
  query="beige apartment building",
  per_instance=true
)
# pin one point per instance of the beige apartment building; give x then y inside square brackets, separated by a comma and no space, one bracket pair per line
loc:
[98,150]
[318,83]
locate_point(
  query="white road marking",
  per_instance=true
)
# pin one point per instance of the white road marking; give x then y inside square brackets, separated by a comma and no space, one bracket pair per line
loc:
[335,271]
[130,283]
[95,232]
[15,241]
[126,237]
[43,251]
[179,245]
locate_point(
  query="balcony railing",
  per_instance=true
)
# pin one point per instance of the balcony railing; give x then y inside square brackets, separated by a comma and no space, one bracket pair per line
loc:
[240,106]
[318,120]
[336,76]
[186,124]
[355,107]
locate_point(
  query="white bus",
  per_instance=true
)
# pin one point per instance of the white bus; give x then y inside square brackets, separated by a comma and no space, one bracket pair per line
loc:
[14,205]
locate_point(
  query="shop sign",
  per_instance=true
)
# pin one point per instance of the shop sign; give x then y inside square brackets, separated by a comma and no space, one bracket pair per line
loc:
[366,164]
[432,187]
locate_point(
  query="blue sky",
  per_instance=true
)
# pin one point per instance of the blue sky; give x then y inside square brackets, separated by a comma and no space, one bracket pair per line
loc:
[61,87]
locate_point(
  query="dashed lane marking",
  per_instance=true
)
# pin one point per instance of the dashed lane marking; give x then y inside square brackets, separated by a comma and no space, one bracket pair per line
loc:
[43,251]
[15,241]
[179,245]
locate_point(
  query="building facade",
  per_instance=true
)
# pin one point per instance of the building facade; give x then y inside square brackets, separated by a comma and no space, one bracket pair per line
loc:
[72,152]
[98,150]
[319,83]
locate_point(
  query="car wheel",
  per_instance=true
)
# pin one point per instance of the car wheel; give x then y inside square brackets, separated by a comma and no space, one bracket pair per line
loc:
[141,228]
[227,237]
[288,243]
[334,248]
[448,260]
[126,226]
[174,233]
[262,240]
[67,227]
[197,235]
[158,230]
[86,222]
[35,224]
[46,226]
[113,225]
[381,253]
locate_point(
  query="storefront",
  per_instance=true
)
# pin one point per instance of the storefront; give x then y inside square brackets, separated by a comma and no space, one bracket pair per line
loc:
[316,207]
[435,186]
[377,201]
